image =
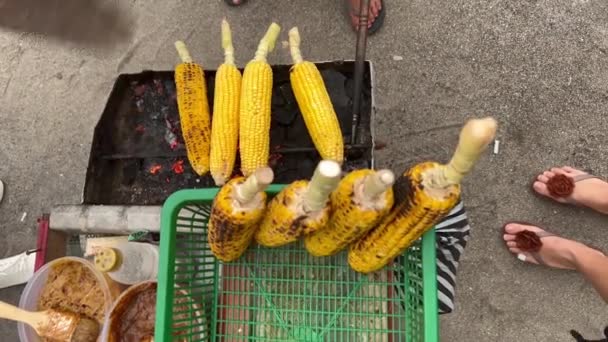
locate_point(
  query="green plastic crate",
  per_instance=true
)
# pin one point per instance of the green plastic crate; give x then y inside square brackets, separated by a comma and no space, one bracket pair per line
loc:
[284,294]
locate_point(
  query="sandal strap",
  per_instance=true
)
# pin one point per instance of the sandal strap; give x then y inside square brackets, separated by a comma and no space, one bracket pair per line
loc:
[544,234]
[583,177]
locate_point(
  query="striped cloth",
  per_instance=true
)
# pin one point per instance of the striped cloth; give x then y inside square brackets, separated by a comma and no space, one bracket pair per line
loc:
[452,234]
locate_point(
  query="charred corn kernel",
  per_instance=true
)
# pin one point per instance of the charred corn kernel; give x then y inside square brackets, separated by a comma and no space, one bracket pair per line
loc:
[315,103]
[256,96]
[225,124]
[236,211]
[423,196]
[362,199]
[300,208]
[193,109]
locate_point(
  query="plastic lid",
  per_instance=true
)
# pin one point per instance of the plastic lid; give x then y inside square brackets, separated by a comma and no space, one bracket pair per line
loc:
[106,259]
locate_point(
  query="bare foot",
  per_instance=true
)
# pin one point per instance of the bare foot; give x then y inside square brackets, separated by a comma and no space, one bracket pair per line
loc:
[555,252]
[374,9]
[592,192]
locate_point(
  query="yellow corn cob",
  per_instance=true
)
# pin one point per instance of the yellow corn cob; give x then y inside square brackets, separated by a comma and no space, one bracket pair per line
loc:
[300,208]
[315,103]
[236,211]
[423,195]
[193,109]
[361,200]
[225,124]
[256,96]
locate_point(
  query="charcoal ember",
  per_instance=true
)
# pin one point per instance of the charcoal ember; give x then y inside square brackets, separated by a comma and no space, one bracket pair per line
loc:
[130,171]
[169,88]
[278,136]
[306,167]
[335,82]
[351,165]
[297,134]
[284,105]
[289,169]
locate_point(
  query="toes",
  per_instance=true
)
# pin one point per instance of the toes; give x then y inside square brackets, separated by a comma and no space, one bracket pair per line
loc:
[511,244]
[558,171]
[515,250]
[508,237]
[514,228]
[542,178]
[548,174]
[373,10]
[541,188]
[354,20]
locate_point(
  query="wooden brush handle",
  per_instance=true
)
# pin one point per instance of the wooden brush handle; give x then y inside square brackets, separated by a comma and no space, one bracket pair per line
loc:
[34,319]
[323,182]
[474,138]
[256,182]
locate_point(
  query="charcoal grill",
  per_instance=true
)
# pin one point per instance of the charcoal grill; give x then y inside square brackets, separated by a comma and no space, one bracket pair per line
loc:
[138,156]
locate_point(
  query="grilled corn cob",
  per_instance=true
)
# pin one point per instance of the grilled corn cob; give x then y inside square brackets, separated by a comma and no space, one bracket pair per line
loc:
[423,195]
[300,208]
[193,109]
[235,214]
[225,124]
[315,104]
[256,96]
[362,199]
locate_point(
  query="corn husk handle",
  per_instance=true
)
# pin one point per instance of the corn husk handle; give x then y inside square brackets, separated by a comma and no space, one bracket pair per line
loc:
[378,183]
[323,182]
[227,43]
[268,41]
[183,52]
[474,139]
[294,46]
[255,183]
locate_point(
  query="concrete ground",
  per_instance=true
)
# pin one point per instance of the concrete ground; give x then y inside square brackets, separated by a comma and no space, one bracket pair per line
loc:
[539,66]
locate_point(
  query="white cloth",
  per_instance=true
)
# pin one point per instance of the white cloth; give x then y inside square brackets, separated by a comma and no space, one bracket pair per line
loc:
[17,269]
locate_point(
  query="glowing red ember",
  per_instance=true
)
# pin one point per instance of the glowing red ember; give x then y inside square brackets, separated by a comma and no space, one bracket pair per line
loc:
[178,167]
[155,169]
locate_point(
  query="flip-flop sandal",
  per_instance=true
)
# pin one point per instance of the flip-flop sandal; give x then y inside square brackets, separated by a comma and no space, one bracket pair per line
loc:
[535,255]
[377,22]
[568,199]
[231,3]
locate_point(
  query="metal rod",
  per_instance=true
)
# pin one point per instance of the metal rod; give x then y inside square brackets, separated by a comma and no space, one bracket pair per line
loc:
[359,66]
[178,154]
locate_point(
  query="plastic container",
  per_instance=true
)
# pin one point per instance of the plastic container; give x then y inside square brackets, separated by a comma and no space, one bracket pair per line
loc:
[194,311]
[286,294]
[136,262]
[31,292]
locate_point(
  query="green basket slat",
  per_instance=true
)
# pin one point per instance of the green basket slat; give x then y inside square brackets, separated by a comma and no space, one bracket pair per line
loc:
[284,294]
